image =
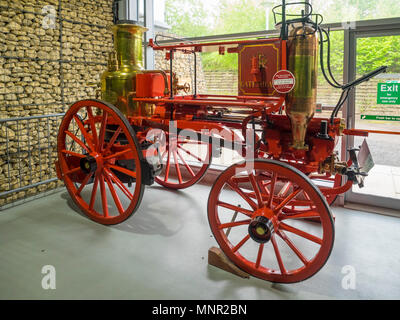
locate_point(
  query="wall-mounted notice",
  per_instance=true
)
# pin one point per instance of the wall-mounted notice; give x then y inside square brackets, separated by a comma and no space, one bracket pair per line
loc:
[389,92]
[380,118]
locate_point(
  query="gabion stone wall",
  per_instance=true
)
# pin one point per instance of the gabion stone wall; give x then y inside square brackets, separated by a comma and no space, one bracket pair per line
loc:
[50,51]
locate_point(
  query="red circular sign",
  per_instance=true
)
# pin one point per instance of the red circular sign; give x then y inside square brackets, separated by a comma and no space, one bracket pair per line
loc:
[283,81]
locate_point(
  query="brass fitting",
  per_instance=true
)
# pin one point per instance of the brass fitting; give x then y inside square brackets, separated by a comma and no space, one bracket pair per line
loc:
[333,165]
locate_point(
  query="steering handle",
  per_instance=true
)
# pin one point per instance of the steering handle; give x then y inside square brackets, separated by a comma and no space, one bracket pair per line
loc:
[365,77]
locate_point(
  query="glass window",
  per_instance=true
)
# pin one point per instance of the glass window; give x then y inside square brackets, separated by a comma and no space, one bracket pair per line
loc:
[354,10]
[193,18]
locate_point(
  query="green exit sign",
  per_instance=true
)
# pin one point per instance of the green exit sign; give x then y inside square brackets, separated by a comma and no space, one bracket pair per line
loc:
[389,93]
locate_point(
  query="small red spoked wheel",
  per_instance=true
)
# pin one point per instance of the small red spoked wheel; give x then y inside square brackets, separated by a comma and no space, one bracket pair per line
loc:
[246,217]
[185,161]
[97,149]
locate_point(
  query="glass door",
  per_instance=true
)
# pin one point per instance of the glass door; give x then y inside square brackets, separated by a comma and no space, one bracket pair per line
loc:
[377,109]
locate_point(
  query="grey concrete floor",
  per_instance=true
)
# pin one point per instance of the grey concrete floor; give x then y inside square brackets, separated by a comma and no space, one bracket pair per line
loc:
[161,253]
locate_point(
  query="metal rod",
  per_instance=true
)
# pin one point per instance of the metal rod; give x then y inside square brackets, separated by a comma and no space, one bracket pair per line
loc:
[29,151]
[19,156]
[171,84]
[61,71]
[39,153]
[48,145]
[195,75]
[6,193]
[8,160]
[32,117]
[59,18]
[55,60]
[28,105]
[284,35]
[387,24]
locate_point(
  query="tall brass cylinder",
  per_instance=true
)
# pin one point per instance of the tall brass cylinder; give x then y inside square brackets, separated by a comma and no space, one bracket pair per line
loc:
[303,63]
[118,82]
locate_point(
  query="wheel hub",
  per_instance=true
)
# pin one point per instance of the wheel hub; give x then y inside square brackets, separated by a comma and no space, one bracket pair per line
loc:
[88,164]
[261,229]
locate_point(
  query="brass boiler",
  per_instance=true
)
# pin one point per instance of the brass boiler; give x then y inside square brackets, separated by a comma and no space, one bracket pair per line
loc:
[302,62]
[118,82]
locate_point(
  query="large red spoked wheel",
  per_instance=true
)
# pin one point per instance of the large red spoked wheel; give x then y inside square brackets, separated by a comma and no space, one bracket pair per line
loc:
[185,161]
[92,156]
[246,216]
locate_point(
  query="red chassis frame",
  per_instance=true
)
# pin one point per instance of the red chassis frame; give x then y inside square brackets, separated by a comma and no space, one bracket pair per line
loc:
[190,111]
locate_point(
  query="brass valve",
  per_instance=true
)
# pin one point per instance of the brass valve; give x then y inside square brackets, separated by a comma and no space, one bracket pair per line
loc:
[185,87]
[178,87]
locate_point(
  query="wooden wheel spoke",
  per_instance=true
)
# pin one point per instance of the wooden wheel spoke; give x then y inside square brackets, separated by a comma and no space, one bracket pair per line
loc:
[94,191]
[300,233]
[71,153]
[84,183]
[123,170]
[256,190]
[119,183]
[235,208]
[114,194]
[291,245]
[75,170]
[287,200]
[178,170]
[259,255]
[272,192]
[103,195]
[92,125]
[102,131]
[113,139]
[302,215]
[167,167]
[285,189]
[236,188]
[86,135]
[117,155]
[241,243]
[278,255]
[234,224]
[78,141]
[253,196]
[263,187]
[188,168]
[190,154]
